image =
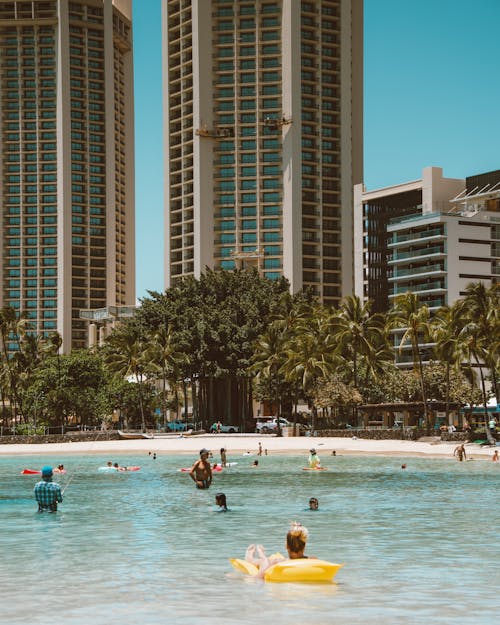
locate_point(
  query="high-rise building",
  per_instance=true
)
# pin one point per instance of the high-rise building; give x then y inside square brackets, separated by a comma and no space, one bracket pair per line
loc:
[432,236]
[263,138]
[66,163]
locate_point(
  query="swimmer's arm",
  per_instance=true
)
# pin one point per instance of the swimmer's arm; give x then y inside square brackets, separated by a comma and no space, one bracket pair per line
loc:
[193,471]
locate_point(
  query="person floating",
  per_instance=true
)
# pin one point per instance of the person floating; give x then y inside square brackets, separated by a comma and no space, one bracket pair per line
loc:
[296,540]
[459,452]
[201,471]
[220,500]
[47,493]
[313,503]
[314,461]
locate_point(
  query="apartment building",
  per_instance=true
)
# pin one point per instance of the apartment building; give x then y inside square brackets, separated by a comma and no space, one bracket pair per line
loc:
[263,138]
[66,163]
[432,236]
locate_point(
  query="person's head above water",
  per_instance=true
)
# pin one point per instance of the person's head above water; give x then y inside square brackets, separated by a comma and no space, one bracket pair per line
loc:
[296,540]
[313,503]
[47,472]
[220,500]
[204,452]
[312,451]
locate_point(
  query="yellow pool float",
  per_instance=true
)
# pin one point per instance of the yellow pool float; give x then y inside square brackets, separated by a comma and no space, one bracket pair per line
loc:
[298,570]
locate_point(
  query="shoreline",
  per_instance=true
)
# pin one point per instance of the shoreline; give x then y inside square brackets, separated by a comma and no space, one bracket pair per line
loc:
[187,445]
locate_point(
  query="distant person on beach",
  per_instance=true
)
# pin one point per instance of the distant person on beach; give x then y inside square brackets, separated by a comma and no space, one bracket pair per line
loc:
[493,426]
[495,457]
[223,458]
[459,452]
[201,471]
[313,504]
[259,453]
[314,461]
[47,493]
[220,500]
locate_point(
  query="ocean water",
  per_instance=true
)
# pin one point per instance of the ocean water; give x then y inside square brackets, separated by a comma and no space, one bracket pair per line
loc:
[419,545]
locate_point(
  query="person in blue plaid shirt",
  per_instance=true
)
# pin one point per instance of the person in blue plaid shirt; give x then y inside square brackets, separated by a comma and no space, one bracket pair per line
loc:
[47,492]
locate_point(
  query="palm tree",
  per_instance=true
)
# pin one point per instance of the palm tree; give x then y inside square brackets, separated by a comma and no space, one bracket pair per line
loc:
[165,358]
[126,355]
[482,305]
[310,354]
[481,334]
[12,329]
[409,314]
[357,331]
[267,361]
[450,347]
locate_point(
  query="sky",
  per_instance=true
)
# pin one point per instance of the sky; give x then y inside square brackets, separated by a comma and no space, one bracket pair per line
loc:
[431,98]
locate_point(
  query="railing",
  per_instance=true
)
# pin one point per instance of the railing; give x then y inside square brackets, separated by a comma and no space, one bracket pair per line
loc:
[399,273]
[417,253]
[416,236]
[418,287]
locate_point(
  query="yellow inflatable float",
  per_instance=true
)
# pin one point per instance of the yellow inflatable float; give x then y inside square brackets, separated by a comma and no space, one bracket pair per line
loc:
[298,570]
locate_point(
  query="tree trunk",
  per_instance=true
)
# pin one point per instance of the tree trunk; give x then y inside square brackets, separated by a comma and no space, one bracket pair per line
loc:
[489,435]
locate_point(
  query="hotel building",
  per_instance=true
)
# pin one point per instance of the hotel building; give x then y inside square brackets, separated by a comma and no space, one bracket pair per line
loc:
[263,138]
[66,163]
[431,236]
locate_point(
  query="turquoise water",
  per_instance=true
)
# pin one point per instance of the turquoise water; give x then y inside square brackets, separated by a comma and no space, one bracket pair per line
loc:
[419,545]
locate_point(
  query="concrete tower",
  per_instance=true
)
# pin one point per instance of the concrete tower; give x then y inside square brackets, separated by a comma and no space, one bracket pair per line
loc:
[263,138]
[66,163]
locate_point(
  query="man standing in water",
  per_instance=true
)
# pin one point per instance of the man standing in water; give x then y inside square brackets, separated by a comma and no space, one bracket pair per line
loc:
[201,471]
[47,492]
[460,453]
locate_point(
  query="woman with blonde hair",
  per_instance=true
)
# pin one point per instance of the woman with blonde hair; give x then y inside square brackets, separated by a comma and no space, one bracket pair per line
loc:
[296,540]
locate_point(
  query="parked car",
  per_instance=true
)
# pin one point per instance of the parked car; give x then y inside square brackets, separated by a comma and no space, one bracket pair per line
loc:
[178,426]
[225,429]
[271,425]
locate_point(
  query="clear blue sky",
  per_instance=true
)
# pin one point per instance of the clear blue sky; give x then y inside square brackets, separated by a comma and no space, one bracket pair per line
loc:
[432,97]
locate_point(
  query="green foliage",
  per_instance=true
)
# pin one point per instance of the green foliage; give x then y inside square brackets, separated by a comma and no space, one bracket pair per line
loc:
[67,386]
[332,391]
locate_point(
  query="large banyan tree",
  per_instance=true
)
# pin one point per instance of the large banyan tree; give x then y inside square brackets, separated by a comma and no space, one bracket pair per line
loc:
[213,323]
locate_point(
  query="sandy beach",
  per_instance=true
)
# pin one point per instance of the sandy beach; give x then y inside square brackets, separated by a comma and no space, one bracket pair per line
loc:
[241,443]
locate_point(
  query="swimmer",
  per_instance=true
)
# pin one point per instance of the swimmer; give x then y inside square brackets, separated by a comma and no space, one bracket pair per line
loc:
[201,471]
[223,457]
[60,469]
[403,466]
[220,500]
[334,453]
[459,452]
[314,461]
[255,464]
[313,503]
[495,457]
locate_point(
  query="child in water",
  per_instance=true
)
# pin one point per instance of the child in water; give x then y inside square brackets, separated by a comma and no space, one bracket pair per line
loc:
[220,500]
